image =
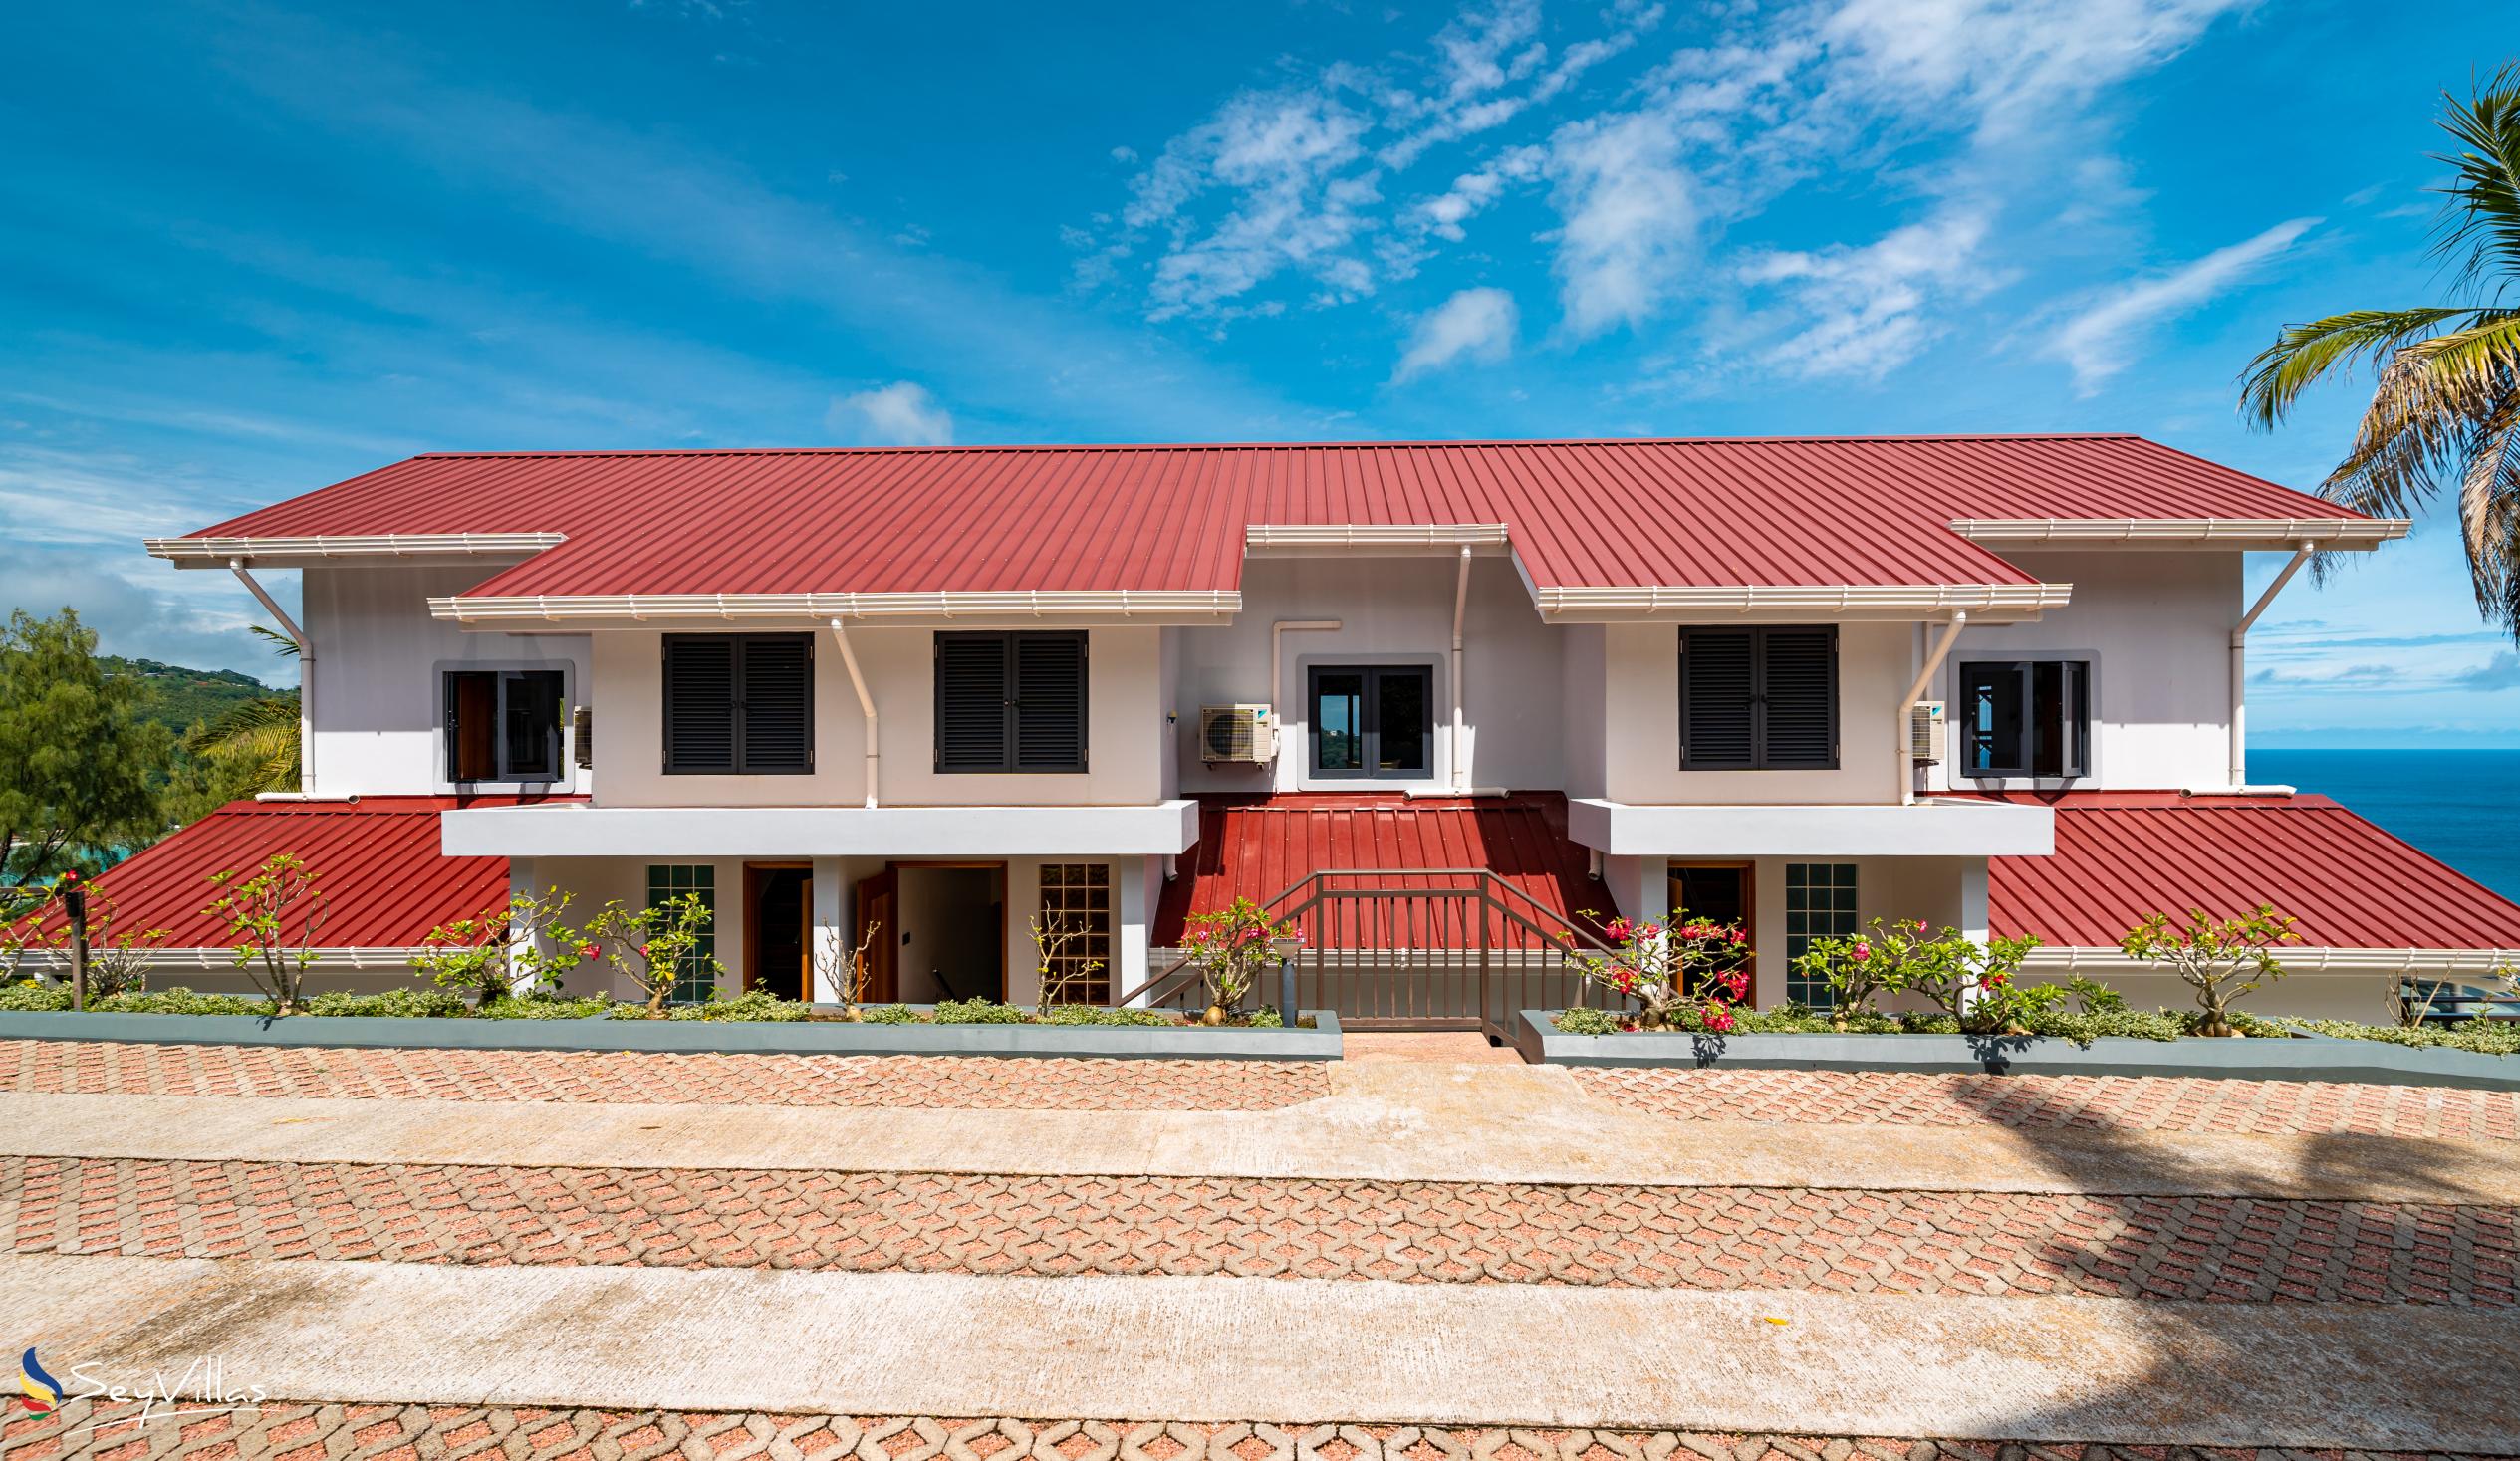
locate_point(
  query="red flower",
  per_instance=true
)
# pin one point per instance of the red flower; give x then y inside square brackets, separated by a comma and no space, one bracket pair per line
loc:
[587,951]
[1618,929]
[1721,1020]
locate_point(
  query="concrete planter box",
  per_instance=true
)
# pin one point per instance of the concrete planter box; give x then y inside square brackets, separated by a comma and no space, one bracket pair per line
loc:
[1116,1042]
[2310,1057]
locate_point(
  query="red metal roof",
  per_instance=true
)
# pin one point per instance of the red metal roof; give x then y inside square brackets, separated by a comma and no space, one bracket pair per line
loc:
[1694,513]
[1258,847]
[2121,856]
[377,861]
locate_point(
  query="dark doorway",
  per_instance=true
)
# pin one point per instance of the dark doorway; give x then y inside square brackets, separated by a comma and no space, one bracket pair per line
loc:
[879,932]
[1718,893]
[778,924]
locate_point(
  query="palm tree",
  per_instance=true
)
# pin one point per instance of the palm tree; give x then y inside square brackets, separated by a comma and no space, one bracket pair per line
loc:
[254,740]
[2446,404]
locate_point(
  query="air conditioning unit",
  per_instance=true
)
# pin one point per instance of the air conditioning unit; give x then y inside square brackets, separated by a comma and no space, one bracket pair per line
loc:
[1925,732]
[1237,733]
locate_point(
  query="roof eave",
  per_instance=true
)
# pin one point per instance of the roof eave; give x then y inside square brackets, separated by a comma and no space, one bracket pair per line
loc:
[2345,535]
[1117,607]
[1835,602]
[291,552]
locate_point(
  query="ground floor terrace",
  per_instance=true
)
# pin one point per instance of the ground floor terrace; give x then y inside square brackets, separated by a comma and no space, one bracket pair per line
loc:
[1414,911]
[647,1255]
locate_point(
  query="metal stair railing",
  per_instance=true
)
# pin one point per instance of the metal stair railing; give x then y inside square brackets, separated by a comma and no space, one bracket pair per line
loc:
[1422,948]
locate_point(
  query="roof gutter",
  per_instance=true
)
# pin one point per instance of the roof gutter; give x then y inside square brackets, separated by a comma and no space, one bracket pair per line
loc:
[2332,533]
[1564,604]
[306,675]
[1119,603]
[1300,537]
[2297,959]
[212,552]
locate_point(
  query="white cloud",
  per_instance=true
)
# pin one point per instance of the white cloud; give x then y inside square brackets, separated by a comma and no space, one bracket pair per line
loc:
[2012,63]
[2098,342]
[1477,324]
[900,415]
[1868,309]
[1630,219]
[1472,192]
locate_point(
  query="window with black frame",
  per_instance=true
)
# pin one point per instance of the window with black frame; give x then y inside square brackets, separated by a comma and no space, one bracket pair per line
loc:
[503,725]
[2025,717]
[1371,721]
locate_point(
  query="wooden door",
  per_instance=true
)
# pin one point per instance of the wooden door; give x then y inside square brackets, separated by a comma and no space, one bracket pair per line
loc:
[878,899]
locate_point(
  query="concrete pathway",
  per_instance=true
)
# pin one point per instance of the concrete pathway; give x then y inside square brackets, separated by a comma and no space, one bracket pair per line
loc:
[1200,1349]
[1429,1048]
[1396,1122]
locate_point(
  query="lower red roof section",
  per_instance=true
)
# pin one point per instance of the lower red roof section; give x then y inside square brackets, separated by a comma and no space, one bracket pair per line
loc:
[1258,847]
[377,861]
[2121,856]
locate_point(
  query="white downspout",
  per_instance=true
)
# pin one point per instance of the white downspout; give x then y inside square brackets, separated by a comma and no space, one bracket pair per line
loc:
[2240,665]
[1277,672]
[1933,661]
[866,704]
[306,675]
[1460,608]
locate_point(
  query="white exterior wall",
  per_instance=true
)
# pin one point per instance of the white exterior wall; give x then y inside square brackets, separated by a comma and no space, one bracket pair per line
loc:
[1124,709]
[1392,611]
[379,713]
[2156,628]
[1641,724]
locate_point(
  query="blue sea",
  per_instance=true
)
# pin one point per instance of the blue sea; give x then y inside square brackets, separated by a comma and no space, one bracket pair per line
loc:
[2455,804]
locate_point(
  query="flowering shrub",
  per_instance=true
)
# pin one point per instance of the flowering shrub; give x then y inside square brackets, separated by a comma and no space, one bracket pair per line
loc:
[515,950]
[1969,982]
[275,912]
[651,945]
[2220,958]
[1692,972]
[1230,948]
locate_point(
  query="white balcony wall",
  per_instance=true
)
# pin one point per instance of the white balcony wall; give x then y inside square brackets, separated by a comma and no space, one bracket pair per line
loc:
[2156,630]
[378,711]
[1124,710]
[1640,723]
[1391,610]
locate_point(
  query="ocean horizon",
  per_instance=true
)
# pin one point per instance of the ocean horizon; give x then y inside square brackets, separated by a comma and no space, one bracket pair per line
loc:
[2456,806]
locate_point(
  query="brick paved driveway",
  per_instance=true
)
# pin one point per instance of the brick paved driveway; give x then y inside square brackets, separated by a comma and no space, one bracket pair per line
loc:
[1737,1238]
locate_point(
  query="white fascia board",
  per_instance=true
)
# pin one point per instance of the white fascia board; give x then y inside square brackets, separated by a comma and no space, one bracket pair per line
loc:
[2063,961]
[273,552]
[628,611]
[1561,603]
[1926,830]
[2269,533]
[579,830]
[1308,540]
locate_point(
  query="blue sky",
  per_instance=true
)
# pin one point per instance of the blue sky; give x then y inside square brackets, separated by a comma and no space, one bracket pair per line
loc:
[245,251]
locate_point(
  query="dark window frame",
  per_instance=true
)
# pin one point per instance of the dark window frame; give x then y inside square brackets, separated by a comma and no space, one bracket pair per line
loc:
[741,760]
[1010,760]
[502,677]
[2026,753]
[1761,757]
[1369,733]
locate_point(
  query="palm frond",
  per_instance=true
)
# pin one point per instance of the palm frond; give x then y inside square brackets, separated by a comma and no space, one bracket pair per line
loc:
[262,734]
[2416,431]
[281,644]
[2481,354]
[2305,354]
[2480,225]
[2489,514]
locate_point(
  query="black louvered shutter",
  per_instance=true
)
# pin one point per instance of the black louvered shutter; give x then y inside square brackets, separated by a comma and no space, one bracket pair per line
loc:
[700,702]
[1049,702]
[1798,698]
[777,678]
[972,714]
[1718,689]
